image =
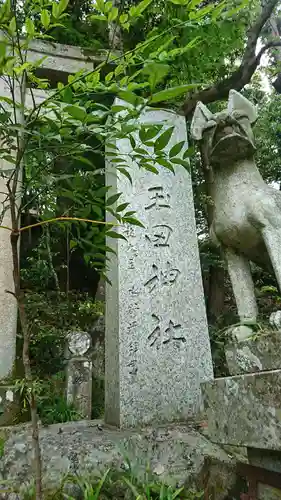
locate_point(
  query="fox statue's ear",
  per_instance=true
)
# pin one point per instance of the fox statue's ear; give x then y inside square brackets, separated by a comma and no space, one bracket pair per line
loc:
[237,102]
[200,118]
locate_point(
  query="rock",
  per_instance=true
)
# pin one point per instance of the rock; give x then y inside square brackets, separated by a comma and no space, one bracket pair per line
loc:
[261,352]
[178,454]
[275,319]
[244,410]
[240,333]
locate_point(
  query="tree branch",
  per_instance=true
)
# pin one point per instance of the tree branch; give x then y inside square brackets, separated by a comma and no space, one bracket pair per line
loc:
[244,73]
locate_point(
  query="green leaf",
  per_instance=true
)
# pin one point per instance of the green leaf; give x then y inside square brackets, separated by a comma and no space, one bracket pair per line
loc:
[156,73]
[30,27]
[62,6]
[133,221]
[125,172]
[114,234]
[171,93]
[162,141]
[76,112]
[128,214]
[4,116]
[141,151]
[13,26]
[108,6]
[180,2]
[146,134]
[72,244]
[117,108]
[128,97]
[112,15]
[150,168]
[183,163]
[55,10]
[84,160]
[112,199]
[176,149]
[132,141]
[45,18]
[166,164]
[122,207]
[177,493]
[5,11]
[100,5]
[117,160]
[189,152]
[9,159]
[109,76]
[96,17]
[123,18]
[3,47]
[137,10]
[67,95]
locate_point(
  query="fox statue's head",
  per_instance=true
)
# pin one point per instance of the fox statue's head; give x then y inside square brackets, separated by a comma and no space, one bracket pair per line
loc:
[227,135]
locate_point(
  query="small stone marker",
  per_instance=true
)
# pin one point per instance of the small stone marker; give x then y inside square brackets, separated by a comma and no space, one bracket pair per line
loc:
[79,373]
[157,349]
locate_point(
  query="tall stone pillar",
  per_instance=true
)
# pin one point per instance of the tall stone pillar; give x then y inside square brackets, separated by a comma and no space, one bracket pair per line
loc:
[8,305]
[157,344]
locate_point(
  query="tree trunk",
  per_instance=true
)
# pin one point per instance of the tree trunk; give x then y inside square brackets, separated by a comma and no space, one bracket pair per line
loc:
[13,192]
[26,359]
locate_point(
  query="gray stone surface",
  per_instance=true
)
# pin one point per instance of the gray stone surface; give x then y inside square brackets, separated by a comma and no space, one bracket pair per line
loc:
[79,342]
[157,344]
[8,305]
[259,353]
[79,373]
[275,320]
[246,212]
[64,58]
[245,410]
[239,333]
[177,454]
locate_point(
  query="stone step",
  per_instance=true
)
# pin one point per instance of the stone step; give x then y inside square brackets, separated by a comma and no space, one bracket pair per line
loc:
[245,410]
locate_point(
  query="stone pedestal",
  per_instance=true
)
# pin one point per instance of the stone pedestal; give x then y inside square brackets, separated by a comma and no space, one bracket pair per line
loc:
[157,344]
[245,409]
[79,373]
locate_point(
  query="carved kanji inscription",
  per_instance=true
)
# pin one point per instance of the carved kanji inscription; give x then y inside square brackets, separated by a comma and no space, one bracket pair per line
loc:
[158,198]
[159,278]
[160,235]
[164,333]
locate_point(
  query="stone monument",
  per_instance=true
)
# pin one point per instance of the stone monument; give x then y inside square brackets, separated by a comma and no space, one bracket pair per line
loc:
[243,409]
[246,218]
[79,373]
[157,348]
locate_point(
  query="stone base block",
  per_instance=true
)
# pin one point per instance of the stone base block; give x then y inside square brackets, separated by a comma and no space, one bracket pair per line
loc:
[258,353]
[176,454]
[245,410]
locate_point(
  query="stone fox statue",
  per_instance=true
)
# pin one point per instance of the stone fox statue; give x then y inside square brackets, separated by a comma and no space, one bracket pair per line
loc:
[246,219]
